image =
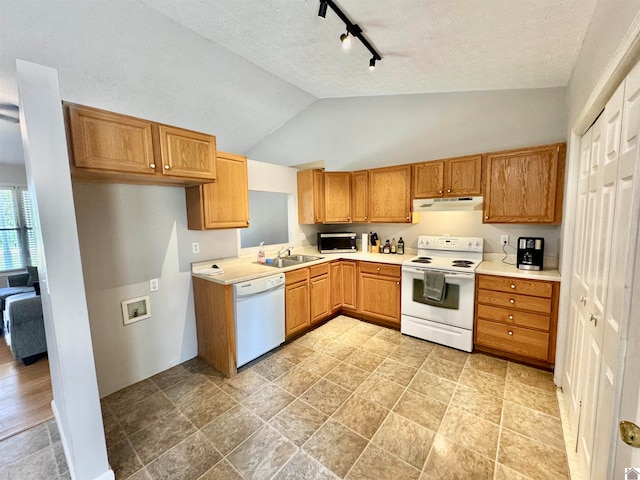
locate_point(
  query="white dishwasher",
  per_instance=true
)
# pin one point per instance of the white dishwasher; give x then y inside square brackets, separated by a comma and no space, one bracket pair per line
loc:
[259,314]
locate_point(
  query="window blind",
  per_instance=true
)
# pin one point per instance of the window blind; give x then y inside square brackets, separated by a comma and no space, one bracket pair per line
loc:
[17,237]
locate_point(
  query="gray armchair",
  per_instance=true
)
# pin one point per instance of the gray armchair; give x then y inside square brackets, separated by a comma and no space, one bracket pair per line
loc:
[25,326]
[17,285]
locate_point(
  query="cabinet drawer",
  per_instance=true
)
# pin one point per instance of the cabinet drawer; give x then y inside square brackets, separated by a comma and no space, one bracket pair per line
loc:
[512,300]
[316,270]
[516,340]
[380,269]
[514,317]
[295,276]
[516,285]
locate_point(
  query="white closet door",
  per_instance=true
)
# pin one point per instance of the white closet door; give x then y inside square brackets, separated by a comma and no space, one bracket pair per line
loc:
[579,287]
[616,307]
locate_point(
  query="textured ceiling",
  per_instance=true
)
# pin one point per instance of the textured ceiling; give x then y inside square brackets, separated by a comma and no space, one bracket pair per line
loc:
[427,46]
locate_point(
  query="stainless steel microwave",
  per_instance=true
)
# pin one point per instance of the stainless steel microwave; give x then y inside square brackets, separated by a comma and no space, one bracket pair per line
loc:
[337,242]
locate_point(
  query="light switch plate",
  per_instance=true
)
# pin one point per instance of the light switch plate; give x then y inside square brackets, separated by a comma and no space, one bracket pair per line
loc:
[153,285]
[195,246]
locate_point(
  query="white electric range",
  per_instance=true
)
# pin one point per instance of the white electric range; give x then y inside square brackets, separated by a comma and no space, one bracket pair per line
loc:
[450,321]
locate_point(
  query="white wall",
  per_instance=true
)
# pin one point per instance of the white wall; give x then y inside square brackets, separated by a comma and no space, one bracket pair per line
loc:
[123,56]
[13,174]
[365,132]
[130,234]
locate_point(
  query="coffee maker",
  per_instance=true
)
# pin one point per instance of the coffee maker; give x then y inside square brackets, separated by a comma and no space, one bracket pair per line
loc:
[530,253]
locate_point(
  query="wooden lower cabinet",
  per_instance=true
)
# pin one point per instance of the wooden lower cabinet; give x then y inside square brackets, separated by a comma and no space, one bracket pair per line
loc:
[296,301]
[319,292]
[517,318]
[215,325]
[343,285]
[379,292]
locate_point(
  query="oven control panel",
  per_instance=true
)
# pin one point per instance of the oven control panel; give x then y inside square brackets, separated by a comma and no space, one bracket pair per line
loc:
[460,244]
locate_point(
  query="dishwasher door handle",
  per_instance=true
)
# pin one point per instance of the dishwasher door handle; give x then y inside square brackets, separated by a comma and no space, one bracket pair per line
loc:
[243,296]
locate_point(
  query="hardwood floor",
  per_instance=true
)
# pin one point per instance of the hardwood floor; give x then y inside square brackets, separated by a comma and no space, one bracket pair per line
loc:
[25,393]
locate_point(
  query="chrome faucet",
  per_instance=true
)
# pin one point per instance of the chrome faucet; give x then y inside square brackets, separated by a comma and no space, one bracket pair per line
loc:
[282,250]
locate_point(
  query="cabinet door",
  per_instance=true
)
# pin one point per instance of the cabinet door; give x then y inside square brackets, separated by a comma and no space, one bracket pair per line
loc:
[390,194]
[524,186]
[380,297]
[428,179]
[310,196]
[111,142]
[187,154]
[337,197]
[349,284]
[320,298]
[360,196]
[336,285]
[463,176]
[226,202]
[297,308]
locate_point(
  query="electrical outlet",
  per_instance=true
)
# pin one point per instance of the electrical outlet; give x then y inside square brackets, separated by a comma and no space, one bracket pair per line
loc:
[153,285]
[504,240]
[195,246]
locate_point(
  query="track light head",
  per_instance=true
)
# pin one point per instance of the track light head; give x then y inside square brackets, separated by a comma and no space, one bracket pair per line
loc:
[323,9]
[372,64]
[346,41]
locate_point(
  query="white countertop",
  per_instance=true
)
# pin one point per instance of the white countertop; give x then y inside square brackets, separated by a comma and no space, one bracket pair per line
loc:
[494,266]
[240,269]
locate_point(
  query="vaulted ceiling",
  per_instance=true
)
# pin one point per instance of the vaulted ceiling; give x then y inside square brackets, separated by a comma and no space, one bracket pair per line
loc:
[242,69]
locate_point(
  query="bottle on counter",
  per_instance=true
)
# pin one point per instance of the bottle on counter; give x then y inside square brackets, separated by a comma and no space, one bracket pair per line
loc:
[387,247]
[400,246]
[393,245]
[261,253]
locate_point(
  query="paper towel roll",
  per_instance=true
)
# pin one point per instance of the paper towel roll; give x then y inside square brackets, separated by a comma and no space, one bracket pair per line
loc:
[365,242]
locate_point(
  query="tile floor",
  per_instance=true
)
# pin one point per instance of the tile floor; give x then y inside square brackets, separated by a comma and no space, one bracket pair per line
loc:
[348,400]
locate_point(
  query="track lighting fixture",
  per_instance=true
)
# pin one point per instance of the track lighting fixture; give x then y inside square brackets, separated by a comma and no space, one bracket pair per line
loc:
[346,41]
[323,9]
[353,30]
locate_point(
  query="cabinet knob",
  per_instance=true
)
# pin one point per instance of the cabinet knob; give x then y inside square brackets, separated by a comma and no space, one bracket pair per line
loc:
[397,283]
[348,218]
[510,317]
[449,190]
[366,218]
[378,268]
[512,301]
[317,219]
[510,332]
[513,286]
[408,218]
[152,165]
[439,191]
[486,217]
[167,167]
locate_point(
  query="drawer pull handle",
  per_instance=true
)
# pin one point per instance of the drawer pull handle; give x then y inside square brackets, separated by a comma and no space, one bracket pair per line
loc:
[510,317]
[510,332]
[512,301]
[513,286]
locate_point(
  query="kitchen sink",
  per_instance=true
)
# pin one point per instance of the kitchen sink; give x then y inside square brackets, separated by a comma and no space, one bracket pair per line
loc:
[291,261]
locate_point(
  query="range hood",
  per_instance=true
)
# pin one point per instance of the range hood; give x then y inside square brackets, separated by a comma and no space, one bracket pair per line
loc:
[447,204]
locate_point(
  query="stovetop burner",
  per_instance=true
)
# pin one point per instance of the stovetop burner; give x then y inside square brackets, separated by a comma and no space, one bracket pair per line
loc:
[422,260]
[462,263]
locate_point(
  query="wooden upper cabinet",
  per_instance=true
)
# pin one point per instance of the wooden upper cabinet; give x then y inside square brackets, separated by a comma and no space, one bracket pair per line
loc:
[524,186]
[360,196]
[110,142]
[109,147]
[224,203]
[337,197]
[463,176]
[428,179]
[187,154]
[390,194]
[310,196]
[452,177]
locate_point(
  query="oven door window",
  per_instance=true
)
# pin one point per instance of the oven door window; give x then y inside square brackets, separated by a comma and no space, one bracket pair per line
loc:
[451,295]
